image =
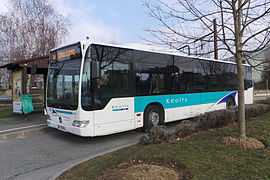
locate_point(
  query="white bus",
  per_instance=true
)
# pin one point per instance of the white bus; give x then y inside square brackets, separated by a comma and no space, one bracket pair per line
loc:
[96,89]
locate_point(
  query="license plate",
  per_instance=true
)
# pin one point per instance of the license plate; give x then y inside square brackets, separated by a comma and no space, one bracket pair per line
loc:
[61,127]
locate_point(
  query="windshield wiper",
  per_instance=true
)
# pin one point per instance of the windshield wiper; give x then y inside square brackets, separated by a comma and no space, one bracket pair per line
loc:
[69,105]
[62,105]
[55,105]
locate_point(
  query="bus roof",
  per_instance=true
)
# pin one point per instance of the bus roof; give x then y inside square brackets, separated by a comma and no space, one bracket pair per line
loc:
[148,48]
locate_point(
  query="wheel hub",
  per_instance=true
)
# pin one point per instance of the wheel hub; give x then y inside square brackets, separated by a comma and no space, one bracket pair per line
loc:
[154,118]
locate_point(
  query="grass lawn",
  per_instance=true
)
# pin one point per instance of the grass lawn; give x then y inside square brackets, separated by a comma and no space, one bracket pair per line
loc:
[6,112]
[200,154]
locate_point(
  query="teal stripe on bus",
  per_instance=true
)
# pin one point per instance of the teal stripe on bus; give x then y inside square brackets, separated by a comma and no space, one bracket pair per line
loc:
[179,100]
[63,112]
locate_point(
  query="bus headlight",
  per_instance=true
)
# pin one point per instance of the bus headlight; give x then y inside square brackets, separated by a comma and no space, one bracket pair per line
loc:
[80,124]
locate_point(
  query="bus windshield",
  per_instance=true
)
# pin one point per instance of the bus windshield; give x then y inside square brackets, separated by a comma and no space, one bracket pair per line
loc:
[63,84]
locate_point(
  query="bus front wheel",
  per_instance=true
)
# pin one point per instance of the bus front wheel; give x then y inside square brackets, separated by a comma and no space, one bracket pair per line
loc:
[153,116]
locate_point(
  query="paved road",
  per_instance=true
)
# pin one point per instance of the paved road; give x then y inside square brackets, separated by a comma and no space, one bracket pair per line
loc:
[44,156]
[41,156]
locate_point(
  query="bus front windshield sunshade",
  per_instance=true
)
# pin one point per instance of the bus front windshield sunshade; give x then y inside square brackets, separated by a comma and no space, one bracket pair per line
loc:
[63,85]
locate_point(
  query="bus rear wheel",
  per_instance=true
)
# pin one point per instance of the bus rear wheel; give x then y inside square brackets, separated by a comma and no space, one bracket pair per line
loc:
[230,103]
[153,116]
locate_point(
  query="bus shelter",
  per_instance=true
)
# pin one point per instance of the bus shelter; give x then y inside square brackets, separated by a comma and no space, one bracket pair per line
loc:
[29,77]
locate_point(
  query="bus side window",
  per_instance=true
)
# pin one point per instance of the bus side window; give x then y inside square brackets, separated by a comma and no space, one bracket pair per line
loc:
[143,83]
[157,84]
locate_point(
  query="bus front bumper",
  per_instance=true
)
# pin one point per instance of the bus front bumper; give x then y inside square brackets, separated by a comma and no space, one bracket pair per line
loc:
[70,129]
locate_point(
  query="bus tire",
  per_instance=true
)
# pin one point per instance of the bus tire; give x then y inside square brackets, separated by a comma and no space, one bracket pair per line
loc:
[153,116]
[230,103]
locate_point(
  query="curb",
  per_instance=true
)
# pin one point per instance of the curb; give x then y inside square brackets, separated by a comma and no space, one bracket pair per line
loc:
[24,131]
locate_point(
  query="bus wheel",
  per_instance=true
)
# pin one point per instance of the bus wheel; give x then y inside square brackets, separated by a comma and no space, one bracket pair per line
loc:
[153,116]
[230,103]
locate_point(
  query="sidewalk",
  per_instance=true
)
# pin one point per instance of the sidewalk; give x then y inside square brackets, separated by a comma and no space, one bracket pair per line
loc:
[18,124]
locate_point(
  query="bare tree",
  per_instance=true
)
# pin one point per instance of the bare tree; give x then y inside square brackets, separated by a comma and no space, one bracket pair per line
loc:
[265,69]
[31,28]
[242,28]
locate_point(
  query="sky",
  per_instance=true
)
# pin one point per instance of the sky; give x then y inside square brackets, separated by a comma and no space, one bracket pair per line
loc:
[108,21]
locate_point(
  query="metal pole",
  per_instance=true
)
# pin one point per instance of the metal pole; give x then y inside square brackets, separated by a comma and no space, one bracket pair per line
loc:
[215,39]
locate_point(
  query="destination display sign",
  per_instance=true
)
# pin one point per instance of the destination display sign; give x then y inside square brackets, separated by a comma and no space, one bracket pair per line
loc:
[66,53]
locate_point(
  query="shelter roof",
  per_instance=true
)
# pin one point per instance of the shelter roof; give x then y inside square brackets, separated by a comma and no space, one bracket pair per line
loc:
[41,62]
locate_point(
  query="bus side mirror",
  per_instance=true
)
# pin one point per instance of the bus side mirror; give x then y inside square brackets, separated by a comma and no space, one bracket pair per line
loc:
[95,69]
